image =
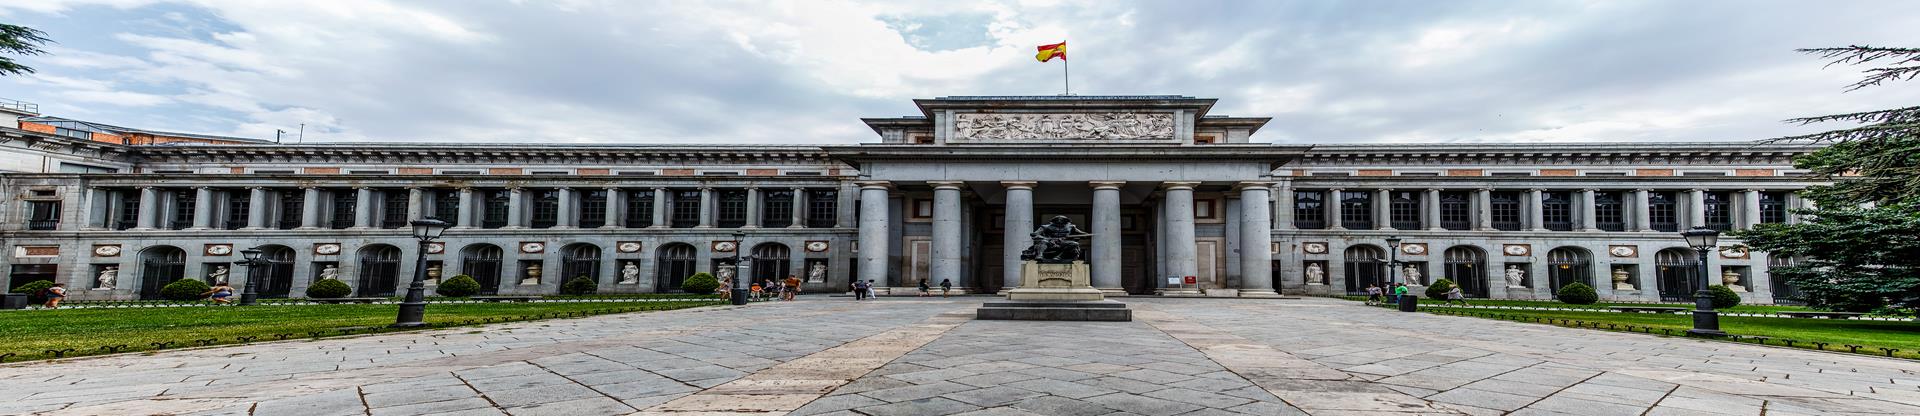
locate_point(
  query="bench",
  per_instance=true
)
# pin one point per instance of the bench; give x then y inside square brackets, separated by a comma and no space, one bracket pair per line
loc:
[345,300]
[505,298]
[1646,309]
[1822,314]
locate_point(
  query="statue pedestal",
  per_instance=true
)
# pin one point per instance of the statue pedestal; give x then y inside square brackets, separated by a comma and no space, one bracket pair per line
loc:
[1055,282]
[1055,292]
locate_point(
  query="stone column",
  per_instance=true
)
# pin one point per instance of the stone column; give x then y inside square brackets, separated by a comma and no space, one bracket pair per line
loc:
[1383,209]
[202,208]
[1433,210]
[464,218]
[362,207]
[706,208]
[1106,237]
[1161,271]
[416,203]
[843,205]
[91,212]
[660,204]
[874,246]
[1283,205]
[1019,223]
[1589,213]
[1181,252]
[1642,218]
[1333,209]
[516,214]
[256,208]
[753,208]
[946,234]
[1483,218]
[310,209]
[610,217]
[1536,211]
[563,211]
[799,208]
[1256,240]
[1696,209]
[1749,208]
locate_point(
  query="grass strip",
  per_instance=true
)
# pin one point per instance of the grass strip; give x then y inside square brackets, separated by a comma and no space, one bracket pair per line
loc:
[1837,334]
[1601,305]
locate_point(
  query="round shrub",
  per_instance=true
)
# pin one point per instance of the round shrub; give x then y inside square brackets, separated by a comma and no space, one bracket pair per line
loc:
[328,289]
[1723,297]
[700,283]
[580,285]
[1439,289]
[185,290]
[458,287]
[32,290]
[1578,294]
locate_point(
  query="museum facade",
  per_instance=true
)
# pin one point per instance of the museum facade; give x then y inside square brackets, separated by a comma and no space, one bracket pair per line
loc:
[1179,202]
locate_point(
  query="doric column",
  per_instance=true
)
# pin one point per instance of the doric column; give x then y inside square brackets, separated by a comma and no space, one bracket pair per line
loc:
[1696,208]
[516,212]
[91,206]
[1536,211]
[1283,205]
[1161,270]
[1383,209]
[660,204]
[464,218]
[873,231]
[1589,220]
[202,208]
[1642,204]
[1483,209]
[1256,239]
[256,208]
[563,211]
[1749,208]
[753,208]
[149,208]
[611,216]
[416,203]
[706,208]
[1433,210]
[1333,209]
[1181,253]
[799,208]
[362,207]
[1019,223]
[946,233]
[1106,235]
[310,208]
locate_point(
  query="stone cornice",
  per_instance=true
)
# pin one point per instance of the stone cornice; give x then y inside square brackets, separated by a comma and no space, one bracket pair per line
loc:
[1553,154]
[480,154]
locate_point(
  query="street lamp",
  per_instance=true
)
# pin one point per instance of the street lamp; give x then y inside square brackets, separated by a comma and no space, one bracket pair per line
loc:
[414,309]
[251,259]
[1705,320]
[1393,258]
[739,269]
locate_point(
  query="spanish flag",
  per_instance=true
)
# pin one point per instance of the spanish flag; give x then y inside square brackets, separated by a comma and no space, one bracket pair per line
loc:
[1048,52]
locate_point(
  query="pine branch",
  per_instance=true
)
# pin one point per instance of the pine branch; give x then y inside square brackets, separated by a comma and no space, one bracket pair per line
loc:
[20,40]
[1877,75]
[1873,132]
[1857,54]
[1897,115]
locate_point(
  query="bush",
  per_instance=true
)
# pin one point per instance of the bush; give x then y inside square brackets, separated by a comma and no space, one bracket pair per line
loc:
[1439,289]
[458,287]
[581,285]
[700,283]
[1723,297]
[185,290]
[32,290]
[329,289]
[1578,294]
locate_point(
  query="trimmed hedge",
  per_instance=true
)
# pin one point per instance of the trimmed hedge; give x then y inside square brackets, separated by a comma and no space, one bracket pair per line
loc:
[700,283]
[329,289]
[580,285]
[32,290]
[1439,289]
[458,287]
[1578,294]
[185,290]
[1723,297]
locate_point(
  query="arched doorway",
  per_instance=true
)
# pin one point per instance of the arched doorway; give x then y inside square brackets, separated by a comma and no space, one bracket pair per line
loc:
[160,265]
[675,263]
[770,262]
[379,270]
[1365,265]
[1466,266]
[482,263]
[580,259]
[1568,265]
[278,281]
[1676,268]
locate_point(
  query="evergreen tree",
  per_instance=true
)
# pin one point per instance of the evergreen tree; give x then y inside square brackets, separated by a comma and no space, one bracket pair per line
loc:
[19,40]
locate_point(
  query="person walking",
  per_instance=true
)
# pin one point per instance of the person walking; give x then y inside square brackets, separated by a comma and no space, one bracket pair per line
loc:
[1399,290]
[1373,294]
[54,295]
[792,287]
[859,290]
[219,293]
[946,285]
[872,291]
[924,290]
[1456,295]
[726,289]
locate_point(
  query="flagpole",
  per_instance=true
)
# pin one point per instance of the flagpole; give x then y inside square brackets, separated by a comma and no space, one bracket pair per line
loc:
[1065,76]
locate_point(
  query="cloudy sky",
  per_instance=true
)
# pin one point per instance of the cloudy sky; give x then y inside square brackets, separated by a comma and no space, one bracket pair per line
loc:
[804,72]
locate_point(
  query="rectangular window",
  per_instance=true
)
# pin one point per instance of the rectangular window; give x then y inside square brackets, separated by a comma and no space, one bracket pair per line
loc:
[823,208]
[639,208]
[1328,174]
[393,208]
[367,172]
[550,172]
[495,214]
[636,173]
[1719,207]
[593,209]
[1608,213]
[1662,212]
[1510,174]
[1309,210]
[720,173]
[459,172]
[1506,211]
[1456,210]
[733,209]
[129,210]
[1406,210]
[1356,209]
[801,173]
[776,209]
[446,206]
[293,205]
[70,167]
[43,215]
[546,208]
[345,201]
[184,201]
[686,209]
[1556,210]
[273,172]
[239,203]
[1703,174]
[1773,207]
[1204,209]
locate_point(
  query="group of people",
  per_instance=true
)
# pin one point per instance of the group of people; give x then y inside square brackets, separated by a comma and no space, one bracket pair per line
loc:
[220,293]
[784,289]
[1374,294]
[863,289]
[946,286]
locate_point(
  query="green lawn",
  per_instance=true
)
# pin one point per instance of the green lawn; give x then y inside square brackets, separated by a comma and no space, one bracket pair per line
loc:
[1904,336]
[1602,305]
[29,334]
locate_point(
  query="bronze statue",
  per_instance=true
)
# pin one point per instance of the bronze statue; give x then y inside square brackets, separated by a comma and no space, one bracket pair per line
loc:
[1054,242]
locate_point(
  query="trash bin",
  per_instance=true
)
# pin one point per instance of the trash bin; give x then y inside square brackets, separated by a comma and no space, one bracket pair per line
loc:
[14,301]
[1409,303]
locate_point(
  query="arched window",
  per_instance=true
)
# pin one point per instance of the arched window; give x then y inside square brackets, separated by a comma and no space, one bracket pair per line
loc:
[675,263]
[278,282]
[770,262]
[1783,291]
[1568,265]
[482,263]
[379,270]
[160,265]
[1466,266]
[580,260]
[1677,268]
[1365,265]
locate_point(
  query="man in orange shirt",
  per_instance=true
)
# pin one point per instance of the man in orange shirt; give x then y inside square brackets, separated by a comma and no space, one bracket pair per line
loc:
[793,288]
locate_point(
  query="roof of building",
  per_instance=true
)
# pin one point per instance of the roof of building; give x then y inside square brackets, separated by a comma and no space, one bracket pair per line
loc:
[109,128]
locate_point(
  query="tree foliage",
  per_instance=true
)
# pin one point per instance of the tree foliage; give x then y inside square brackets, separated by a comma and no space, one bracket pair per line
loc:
[32,290]
[1723,297]
[329,289]
[580,285]
[1577,294]
[19,40]
[458,287]
[185,290]
[700,283]
[1439,289]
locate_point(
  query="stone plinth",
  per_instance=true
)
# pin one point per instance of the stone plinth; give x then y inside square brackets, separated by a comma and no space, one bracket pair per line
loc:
[1055,292]
[1103,310]
[1055,282]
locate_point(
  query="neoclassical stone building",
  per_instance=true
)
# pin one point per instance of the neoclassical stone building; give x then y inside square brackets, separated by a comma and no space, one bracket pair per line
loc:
[1179,200]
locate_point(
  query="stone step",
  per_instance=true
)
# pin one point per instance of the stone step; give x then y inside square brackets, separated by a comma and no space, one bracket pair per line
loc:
[1102,314]
[1055,304]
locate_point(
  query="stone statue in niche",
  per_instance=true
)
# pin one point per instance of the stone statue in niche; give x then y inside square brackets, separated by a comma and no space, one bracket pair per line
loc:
[1515,276]
[219,274]
[724,272]
[1413,275]
[1620,280]
[329,272]
[629,274]
[1731,279]
[1053,242]
[107,278]
[1063,126]
[817,273]
[533,274]
[433,274]
[1315,275]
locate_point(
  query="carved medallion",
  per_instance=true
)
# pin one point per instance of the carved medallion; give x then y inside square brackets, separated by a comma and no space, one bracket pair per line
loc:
[628,247]
[1623,251]
[326,249]
[1735,252]
[106,251]
[1415,249]
[1062,126]
[1314,248]
[725,246]
[816,246]
[1517,249]
[533,247]
[436,247]
[219,249]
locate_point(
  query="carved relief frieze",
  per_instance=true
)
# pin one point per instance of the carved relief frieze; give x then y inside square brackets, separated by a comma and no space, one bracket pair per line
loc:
[1063,126]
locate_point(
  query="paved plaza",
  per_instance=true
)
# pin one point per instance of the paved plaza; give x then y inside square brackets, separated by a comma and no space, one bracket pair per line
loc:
[907,356]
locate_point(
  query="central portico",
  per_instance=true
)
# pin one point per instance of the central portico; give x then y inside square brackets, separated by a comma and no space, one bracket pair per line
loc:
[964,184]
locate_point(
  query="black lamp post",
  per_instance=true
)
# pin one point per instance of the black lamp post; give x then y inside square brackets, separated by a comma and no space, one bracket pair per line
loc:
[1705,320]
[413,311]
[1393,259]
[250,258]
[739,273]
